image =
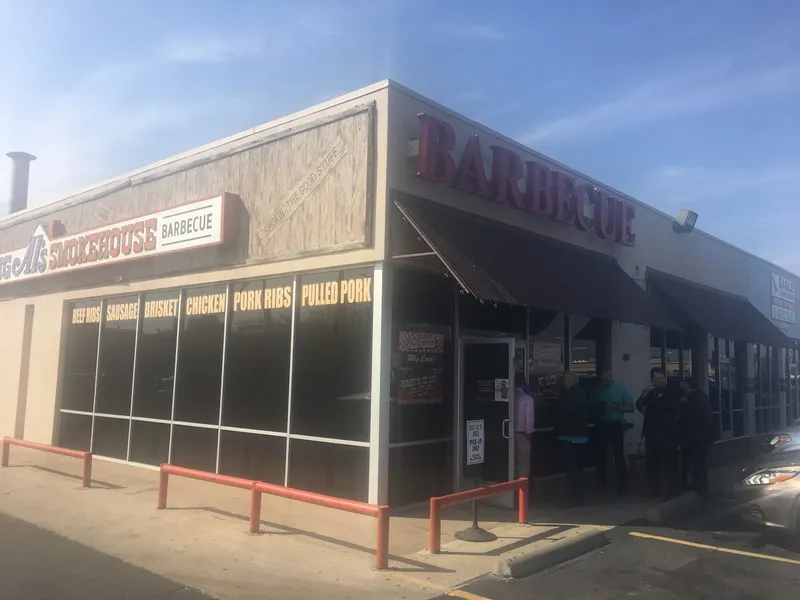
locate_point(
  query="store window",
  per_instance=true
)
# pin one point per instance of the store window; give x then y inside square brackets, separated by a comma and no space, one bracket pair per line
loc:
[332,469]
[155,356]
[75,431]
[768,408]
[253,456]
[257,358]
[117,345]
[200,356]
[184,341]
[584,361]
[775,385]
[421,384]
[793,402]
[671,352]
[726,367]
[333,356]
[419,472]
[714,389]
[111,437]
[589,351]
[738,372]
[149,442]
[80,356]
[546,362]
[656,348]
[194,447]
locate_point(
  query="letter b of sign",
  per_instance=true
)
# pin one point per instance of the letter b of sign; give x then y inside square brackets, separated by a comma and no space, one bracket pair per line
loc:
[436,140]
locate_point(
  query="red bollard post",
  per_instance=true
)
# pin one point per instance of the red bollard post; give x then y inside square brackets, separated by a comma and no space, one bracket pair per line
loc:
[382,549]
[524,491]
[6,446]
[163,482]
[255,510]
[435,539]
[87,470]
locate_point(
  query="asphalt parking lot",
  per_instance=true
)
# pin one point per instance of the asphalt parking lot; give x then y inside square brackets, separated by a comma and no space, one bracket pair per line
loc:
[39,565]
[713,555]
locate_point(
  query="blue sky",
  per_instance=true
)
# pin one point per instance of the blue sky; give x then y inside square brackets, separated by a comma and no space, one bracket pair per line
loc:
[680,104]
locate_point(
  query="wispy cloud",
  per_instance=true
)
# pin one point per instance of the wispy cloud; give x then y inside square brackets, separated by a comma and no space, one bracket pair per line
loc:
[691,186]
[212,48]
[85,134]
[94,127]
[667,97]
[753,206]
[475,31]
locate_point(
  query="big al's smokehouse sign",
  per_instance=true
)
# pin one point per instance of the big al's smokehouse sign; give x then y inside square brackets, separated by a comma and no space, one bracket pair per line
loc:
[523,185]
[189,226]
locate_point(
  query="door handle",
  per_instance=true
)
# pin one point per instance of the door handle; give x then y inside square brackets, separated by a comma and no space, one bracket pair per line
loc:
[507,428]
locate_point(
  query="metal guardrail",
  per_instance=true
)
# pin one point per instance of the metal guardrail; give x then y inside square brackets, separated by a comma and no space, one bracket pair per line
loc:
[86,457]
[257,488]
[440,502]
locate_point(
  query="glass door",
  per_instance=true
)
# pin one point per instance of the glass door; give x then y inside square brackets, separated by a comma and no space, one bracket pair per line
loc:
[486,403]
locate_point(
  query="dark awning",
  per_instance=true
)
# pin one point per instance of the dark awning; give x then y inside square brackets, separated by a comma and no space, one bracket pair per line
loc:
[725,315]
[503,264]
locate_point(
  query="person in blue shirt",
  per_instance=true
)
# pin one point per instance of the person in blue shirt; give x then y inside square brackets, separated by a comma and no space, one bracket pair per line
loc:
[610,402]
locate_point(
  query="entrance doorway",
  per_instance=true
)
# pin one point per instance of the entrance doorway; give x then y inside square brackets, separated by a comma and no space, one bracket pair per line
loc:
[486,402]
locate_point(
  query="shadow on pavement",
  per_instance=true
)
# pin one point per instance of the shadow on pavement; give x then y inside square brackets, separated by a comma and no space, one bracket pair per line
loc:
[418,567]
[95,482]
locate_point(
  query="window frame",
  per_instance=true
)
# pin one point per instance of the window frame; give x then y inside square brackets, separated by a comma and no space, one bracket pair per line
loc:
[368,270]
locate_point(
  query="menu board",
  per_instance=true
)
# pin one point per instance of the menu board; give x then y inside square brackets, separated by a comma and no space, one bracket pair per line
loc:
[420,368]
[546,366]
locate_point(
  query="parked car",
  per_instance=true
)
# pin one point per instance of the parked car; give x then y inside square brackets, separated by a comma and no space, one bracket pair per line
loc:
[786,439]
[769,490]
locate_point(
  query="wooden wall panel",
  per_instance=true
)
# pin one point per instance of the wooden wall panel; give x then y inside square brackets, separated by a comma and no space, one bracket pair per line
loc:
[334,215]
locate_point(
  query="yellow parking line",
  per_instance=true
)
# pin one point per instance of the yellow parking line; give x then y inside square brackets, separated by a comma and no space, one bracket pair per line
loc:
[439,588]
[790,561]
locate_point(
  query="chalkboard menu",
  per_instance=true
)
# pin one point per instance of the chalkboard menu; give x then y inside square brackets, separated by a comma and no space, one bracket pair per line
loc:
[420,368]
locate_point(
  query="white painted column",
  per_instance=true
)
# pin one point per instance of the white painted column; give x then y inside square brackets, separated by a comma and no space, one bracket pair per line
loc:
[379,394]
[630,362]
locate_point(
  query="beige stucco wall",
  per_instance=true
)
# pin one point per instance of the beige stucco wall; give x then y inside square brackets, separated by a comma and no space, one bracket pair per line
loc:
[12,320]
[46,341]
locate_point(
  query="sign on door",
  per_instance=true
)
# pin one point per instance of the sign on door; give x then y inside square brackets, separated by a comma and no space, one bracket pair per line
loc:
[475,442]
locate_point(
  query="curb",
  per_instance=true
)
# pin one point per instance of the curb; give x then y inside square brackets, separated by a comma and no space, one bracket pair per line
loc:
[556,552]
[681,505]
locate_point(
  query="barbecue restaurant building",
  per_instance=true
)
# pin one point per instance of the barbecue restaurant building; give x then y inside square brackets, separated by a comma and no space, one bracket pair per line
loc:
[333,300]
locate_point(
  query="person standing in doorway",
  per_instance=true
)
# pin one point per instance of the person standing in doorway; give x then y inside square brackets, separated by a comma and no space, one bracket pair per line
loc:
[523,422]
[697,426]
[659,405]
[571,424]
[610,402]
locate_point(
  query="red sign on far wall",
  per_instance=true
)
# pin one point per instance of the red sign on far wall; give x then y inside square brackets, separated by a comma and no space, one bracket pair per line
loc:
[547,192]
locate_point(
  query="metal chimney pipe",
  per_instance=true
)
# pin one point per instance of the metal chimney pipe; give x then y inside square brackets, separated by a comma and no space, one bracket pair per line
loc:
[19,180]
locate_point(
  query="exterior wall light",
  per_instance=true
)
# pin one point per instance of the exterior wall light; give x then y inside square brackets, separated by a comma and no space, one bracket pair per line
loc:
[685,221]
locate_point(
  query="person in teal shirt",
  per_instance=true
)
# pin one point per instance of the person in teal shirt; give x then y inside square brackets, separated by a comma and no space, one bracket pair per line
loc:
[610,402]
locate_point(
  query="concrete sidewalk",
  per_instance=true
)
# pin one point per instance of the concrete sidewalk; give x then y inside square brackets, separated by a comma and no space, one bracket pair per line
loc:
[201,540]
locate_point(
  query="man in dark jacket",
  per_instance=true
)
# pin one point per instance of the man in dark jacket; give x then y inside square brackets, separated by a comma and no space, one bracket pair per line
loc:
[696,424]
[572,432]
[659,405]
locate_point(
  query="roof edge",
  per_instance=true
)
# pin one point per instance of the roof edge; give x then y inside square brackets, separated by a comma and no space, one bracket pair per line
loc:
[519,145]
[107,186]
